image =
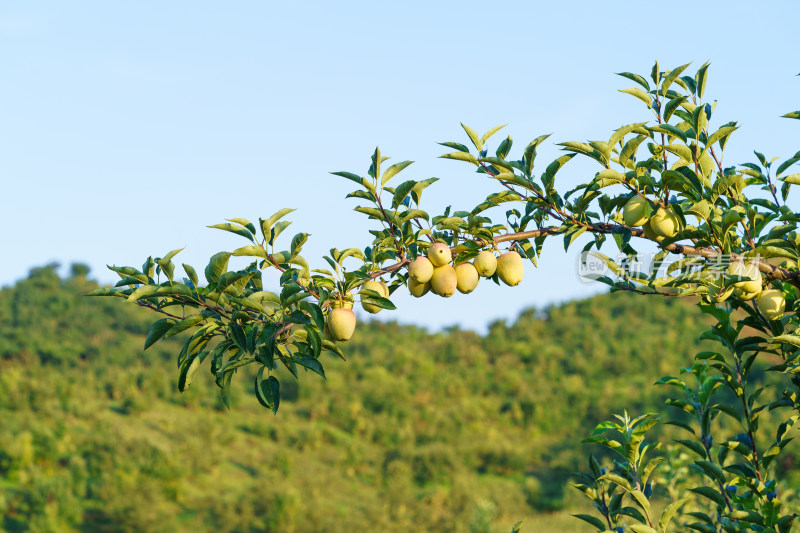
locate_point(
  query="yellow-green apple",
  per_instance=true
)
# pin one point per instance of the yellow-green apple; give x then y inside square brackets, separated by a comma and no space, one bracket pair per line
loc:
[485,263]
[510,268]
[444,281]
[467,278]
[439,254]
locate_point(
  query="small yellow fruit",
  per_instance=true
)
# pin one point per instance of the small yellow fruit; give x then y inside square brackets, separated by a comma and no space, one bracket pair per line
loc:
[418,290]
[664,223]
[439,254]
[468,278]
[421,269]
[771,304]
[633,213]
[485,264]
[750,270]
[510,268]
[341,323]
[444,281]
[650,234]
[379,287]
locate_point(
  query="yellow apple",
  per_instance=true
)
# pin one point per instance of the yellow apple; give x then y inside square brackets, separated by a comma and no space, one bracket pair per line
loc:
[510,268]
[421,269]
[444,281]
[467,278]
[341,323]
[379,287]
[650,234]
[633,213]
[749,270]
[664,223]
[485,263]
[771,304]
[439,254]
[417,289]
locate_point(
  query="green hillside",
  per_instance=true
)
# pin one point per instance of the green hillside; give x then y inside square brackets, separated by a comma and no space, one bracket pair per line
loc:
[417,431]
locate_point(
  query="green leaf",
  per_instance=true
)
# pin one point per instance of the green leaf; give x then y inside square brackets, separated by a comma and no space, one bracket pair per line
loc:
[504,148]
[190,271]
[669,129]
[793,114]
[244,222]
[250,251]
[234,280]
[157,331]
[491,132]
[393,170]
[167,258]
[314,312]
[549,174]
[233,228]
[416,191]
[592,520]
[461,156]
[693,445]
[331,347]
[722,133]
[793,179]
[700,79]
[628,153]
[641,499]
[349,175]
[183,325]
[530,152]
[217,265]
[672,105]
[635,77]
[668,512]
[311,364]
[641,528]
[458,146]
[142,292]
[640,94]
[373,298]
[669,78]
[188,369]
[473,137]
[711,494]
[794,340]
[266,225]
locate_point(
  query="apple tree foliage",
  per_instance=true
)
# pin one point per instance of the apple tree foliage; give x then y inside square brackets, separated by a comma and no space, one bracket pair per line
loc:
[725,481]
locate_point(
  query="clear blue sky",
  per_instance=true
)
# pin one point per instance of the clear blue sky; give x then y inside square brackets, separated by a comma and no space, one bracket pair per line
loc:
[127,128]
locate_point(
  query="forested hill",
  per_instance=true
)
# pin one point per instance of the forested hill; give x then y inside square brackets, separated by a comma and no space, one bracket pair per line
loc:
[417,431]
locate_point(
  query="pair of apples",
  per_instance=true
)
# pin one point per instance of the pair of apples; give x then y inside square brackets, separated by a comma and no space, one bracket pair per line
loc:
[434,272]
[770,302]
[661,225]
[431,273]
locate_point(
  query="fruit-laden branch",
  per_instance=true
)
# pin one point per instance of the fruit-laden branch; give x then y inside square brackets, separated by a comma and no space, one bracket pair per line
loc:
[773,271]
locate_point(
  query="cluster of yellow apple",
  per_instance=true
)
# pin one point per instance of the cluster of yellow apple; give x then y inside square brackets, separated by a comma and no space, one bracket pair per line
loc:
[662,224]
[435,273]
[771,302]
[432,273]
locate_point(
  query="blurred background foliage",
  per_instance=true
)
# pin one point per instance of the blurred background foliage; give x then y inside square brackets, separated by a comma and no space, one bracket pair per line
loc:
[447,431]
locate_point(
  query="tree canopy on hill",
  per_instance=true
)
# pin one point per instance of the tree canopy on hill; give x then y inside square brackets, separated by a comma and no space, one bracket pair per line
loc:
[446,431]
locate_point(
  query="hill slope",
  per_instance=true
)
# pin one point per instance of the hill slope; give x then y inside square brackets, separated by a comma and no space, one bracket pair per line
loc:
[445,431]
